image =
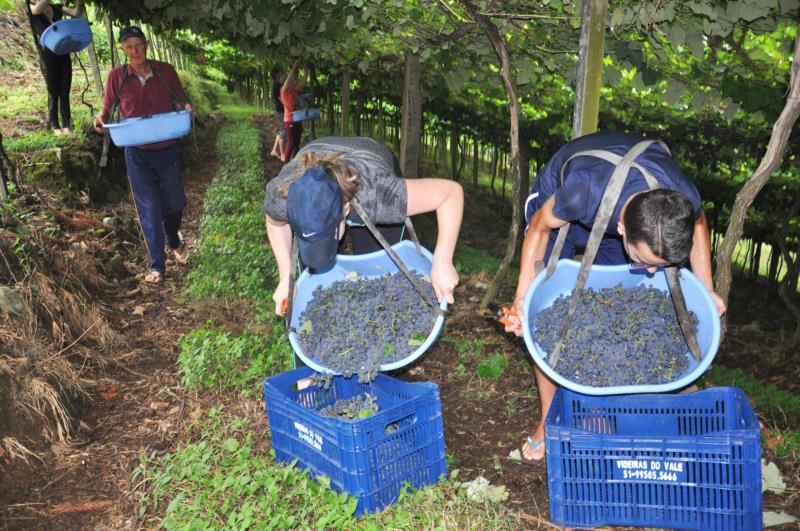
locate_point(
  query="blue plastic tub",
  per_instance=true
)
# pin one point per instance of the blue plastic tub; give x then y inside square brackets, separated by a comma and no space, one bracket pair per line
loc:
[681,461]
[150,129]
[542,293]
[366,265]
[305,114]
[370,458]
[67,36]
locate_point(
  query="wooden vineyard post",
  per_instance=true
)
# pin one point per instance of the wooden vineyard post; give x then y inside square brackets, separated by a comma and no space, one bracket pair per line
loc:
[412,117]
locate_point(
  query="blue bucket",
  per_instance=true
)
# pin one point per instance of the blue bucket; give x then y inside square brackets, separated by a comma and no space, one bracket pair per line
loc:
[374,264]
[67,36]
[305,114]
[150,129]
[542,293]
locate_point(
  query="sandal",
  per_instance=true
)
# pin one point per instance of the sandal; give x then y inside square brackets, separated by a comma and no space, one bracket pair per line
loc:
[535,445]
[181,254]
[153,277]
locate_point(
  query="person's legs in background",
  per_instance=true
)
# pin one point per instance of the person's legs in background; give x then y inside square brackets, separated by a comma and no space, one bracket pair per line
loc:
[64,87]
[294,132]
[52,78]
[280,139]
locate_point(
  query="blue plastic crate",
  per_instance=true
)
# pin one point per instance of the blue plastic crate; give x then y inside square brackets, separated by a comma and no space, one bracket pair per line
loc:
[370,458]
[684,461]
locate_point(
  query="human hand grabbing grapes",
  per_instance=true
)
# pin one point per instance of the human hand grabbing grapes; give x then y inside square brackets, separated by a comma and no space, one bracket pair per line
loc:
[444,279]
[280,296]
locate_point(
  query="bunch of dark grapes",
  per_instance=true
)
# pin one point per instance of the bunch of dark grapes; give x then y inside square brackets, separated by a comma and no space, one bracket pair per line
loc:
[358,407]
[354,326]
[618,336]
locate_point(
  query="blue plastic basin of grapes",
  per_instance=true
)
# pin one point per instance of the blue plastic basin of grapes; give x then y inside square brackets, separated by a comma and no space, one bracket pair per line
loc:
[67,36]
[374,264]
[542,293]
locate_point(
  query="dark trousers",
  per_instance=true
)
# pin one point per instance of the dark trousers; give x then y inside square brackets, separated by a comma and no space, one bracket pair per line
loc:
[364,242]
[157,187]
[58,77]
[294,131]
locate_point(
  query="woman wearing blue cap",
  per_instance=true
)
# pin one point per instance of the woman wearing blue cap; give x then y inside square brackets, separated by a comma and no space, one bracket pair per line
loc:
[310,198]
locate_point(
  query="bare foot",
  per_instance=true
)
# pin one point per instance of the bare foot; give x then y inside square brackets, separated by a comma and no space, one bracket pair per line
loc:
[66,131]
[57,132]
[181,254]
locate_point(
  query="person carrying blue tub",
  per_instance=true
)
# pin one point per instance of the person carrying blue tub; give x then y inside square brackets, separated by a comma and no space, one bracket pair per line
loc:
[57,68]
[648,228]
[144,87]
[311,198]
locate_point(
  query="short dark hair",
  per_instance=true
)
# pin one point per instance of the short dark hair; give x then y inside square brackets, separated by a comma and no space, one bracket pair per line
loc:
[664,220]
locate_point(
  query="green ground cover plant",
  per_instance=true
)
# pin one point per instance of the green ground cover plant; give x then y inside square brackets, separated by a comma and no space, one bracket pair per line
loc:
[214,359]
[776,405]
[234,260]
[225,478]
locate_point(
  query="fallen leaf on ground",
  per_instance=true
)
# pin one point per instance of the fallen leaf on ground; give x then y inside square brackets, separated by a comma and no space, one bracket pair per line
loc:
[772,518]
[138,310]
[515,455]
[480,490]
[771,479]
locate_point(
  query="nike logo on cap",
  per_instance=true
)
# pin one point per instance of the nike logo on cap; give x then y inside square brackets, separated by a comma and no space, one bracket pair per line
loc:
[310,234]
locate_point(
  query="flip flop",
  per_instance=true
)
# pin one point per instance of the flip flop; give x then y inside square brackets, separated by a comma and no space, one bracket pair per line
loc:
[153,277]
[535,445]
[181,254]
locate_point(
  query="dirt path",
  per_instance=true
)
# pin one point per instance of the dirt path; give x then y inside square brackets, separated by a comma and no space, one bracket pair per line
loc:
[138,405]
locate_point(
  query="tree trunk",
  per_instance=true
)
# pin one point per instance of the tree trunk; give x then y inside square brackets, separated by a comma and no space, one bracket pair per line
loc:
[454,152]
[345,129]
[755,266]
[772,273]
[112,42]
[501,48]
[312,72]
[524,169]
[329,89]
[771,162]
[361,97]
[412,117]
[495,164]
[475,154]
[788,290]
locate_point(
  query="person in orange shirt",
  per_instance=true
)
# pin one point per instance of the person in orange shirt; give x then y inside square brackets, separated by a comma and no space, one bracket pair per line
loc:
[290,97]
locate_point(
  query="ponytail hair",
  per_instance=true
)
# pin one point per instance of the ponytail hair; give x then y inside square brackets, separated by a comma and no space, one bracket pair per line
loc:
[346,177]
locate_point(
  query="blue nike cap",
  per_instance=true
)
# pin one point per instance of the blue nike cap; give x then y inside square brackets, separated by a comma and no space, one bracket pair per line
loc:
[315,208]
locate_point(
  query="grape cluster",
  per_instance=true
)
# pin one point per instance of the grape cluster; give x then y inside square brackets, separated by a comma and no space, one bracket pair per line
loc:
[618,336]
[354,326]
[358,407]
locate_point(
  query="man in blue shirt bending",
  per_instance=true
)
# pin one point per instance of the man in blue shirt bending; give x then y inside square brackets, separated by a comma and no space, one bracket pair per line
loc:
[648,227]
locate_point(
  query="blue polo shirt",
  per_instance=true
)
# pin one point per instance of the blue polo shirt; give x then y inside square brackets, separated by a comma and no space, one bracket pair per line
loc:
[577,198]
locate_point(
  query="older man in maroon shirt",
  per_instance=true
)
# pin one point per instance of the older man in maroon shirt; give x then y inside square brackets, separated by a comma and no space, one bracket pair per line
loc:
[144,87]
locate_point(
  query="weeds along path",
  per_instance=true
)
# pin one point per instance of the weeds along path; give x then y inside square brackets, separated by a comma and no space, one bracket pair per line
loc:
[137,405]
